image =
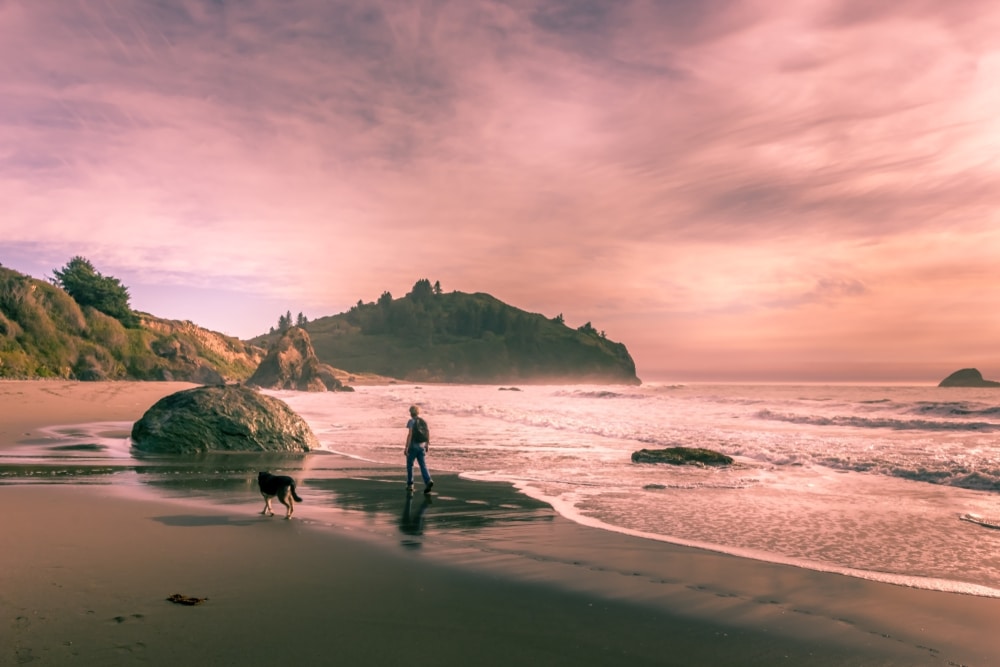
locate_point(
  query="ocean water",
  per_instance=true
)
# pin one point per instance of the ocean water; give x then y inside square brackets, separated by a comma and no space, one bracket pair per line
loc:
[868,481]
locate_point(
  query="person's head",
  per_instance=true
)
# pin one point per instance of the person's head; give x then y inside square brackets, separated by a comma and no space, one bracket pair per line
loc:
[414,410]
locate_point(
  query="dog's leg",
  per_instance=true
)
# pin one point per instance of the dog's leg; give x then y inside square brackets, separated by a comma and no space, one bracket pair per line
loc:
[286,500]
[267,507]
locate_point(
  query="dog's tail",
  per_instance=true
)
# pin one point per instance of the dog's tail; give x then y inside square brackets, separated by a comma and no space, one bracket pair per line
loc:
[295,496]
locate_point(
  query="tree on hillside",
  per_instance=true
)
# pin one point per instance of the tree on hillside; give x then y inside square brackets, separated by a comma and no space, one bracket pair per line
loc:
[301,320]
[88,287]
[422,290]
[437,288]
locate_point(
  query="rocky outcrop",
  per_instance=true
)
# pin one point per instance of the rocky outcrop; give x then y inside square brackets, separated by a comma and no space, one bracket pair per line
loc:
[967,377]
[682,456]
[291,363]
[230,418]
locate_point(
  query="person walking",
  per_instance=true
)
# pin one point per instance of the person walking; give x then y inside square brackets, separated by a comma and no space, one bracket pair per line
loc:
[417,444]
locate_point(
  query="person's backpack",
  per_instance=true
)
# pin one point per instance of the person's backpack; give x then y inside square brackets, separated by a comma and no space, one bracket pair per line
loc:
[421,433]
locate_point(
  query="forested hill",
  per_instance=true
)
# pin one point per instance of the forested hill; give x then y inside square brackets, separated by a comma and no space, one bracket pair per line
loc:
[431,336]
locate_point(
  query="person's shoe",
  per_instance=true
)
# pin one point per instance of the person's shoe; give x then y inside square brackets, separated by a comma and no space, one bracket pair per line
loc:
[409,488]
[430,485]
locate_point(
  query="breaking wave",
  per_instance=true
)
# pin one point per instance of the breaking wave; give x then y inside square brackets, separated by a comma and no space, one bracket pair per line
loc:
[880,422]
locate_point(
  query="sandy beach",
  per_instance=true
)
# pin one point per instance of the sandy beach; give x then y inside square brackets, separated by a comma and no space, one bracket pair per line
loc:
[481,575]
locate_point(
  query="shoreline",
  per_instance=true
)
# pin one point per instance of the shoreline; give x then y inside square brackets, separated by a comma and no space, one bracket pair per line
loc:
[489,575]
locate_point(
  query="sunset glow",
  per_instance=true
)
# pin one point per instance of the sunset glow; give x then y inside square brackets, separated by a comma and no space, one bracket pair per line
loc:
[736,190]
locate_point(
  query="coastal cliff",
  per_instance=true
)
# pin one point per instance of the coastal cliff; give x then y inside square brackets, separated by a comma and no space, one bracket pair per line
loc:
[45,333]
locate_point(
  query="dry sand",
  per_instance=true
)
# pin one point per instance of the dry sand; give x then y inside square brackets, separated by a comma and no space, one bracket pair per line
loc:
[87,568]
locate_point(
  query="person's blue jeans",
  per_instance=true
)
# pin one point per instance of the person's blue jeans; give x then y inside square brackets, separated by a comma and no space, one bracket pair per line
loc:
[416,453]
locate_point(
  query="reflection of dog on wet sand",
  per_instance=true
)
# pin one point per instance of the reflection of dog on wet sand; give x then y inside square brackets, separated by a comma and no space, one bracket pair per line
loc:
[281,487]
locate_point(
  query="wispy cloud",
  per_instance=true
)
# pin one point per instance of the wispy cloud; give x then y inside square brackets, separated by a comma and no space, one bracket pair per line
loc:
[731,175]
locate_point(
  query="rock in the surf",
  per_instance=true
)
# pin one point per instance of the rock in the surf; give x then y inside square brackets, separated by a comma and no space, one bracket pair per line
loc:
[682,456]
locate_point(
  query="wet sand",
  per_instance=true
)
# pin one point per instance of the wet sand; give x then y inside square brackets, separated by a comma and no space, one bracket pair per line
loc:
[364,574]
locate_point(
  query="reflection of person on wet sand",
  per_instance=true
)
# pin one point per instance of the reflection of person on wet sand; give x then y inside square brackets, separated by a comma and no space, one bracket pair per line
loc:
[412,523]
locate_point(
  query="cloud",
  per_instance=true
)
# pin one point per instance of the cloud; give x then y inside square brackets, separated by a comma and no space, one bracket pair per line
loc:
[732,168]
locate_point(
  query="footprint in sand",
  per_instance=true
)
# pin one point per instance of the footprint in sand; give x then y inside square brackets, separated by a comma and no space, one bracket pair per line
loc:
[122,619]
[131,648]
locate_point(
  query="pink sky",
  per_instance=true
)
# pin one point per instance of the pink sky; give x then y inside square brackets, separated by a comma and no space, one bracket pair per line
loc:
[735,190]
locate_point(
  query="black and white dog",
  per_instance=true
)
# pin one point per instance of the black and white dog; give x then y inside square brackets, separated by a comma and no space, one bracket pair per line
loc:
[281,487]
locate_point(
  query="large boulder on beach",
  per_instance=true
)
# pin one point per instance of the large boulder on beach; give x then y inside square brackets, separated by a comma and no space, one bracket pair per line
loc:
[229,418]
[682,456]
[291,363]
[967,377]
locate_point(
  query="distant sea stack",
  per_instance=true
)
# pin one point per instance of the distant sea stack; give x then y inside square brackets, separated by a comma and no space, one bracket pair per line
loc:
[967,377]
